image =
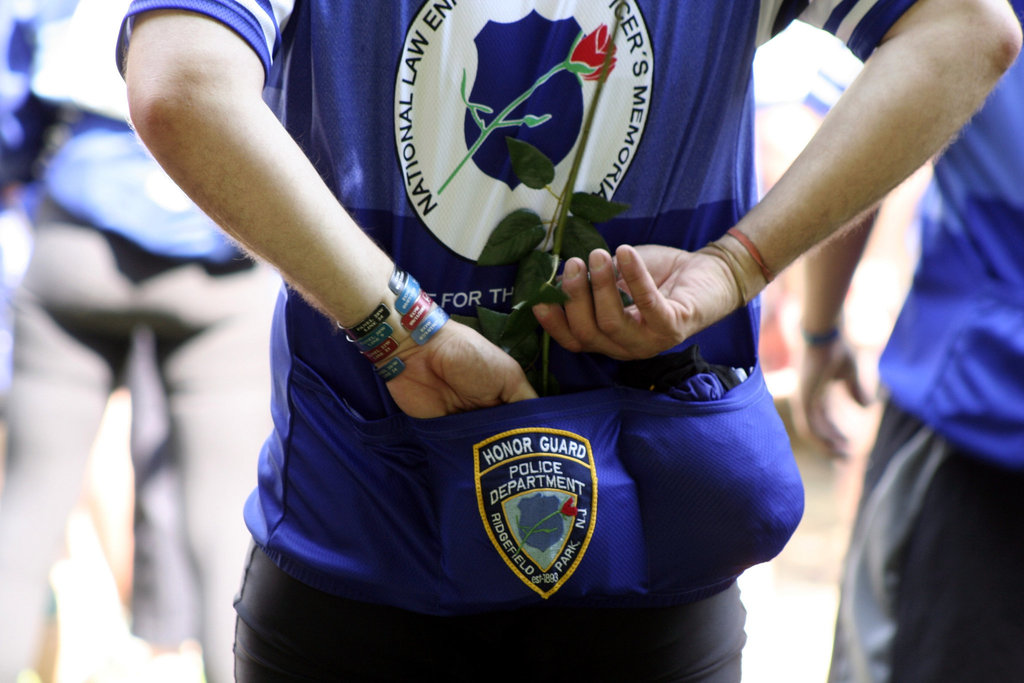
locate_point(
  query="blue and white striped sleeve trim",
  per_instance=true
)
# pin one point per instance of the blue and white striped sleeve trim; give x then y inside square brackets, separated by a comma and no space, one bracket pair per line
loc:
[258,22]
[861,24]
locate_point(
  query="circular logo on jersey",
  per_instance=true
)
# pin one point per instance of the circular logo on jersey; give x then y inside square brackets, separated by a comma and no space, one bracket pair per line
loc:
[472,74]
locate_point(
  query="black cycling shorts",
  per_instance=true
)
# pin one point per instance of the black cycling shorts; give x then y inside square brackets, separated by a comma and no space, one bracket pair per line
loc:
[288,631]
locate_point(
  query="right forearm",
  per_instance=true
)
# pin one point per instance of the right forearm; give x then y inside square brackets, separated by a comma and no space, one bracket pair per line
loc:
[201,114]
[932,71]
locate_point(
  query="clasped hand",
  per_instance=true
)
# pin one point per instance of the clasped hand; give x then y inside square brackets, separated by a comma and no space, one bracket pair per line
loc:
[675,294]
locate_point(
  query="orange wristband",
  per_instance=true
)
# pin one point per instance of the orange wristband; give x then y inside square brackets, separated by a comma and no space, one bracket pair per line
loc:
[754,253]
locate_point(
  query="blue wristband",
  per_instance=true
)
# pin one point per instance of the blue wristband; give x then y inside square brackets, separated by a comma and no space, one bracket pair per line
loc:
[429,326]
[822,339]
[375,338]
[408,296]
[397,280]
[390,370]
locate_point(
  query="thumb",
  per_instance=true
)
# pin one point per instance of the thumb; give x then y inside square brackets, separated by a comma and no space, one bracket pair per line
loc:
[856,387]
[518,389]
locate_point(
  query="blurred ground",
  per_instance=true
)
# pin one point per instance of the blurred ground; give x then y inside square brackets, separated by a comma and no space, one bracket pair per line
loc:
[791,601]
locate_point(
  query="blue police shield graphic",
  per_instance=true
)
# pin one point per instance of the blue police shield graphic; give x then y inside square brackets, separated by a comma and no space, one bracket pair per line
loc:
[523,90]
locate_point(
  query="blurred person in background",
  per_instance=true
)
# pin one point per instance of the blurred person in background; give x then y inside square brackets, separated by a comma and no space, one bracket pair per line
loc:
[931,587]
[121,260]
[22,120]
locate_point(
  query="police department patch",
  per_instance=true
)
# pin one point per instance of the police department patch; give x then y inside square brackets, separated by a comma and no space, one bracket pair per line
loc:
[537,492]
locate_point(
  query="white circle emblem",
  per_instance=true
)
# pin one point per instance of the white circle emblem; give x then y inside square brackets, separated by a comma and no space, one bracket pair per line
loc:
[450,128]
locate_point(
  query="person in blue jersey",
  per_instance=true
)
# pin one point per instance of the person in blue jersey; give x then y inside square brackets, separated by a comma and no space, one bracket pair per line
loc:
[421,513]
[930,587]
[119,252]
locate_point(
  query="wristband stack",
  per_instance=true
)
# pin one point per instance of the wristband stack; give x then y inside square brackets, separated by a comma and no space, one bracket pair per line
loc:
[418,315]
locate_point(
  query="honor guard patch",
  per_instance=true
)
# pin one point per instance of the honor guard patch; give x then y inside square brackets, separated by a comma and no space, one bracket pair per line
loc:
[537,492]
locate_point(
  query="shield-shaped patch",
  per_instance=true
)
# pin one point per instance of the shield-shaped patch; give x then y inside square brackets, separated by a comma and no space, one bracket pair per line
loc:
[537,492]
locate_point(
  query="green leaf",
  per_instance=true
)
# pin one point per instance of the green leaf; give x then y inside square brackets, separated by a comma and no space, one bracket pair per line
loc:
[533,168]
[492,324]
[580,68]
[467,320]
[525,349]
[549,294]
[537,268]
[532,121]
[581,238]
[521,323]
[516,236]
[595,208]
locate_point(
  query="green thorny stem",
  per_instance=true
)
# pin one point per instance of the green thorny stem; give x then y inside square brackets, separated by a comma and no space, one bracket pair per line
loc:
[562,207]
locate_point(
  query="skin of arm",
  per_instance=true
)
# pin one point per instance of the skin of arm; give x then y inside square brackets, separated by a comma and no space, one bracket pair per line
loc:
[195,95]
[931,72]
[828,272]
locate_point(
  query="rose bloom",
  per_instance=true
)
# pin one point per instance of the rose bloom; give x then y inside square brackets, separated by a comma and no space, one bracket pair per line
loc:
[591,51]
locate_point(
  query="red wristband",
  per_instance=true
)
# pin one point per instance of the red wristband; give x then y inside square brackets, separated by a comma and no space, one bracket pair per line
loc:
[754,253]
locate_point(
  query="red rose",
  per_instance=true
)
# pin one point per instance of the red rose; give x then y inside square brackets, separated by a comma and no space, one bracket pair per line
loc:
[588,57]
[568,509]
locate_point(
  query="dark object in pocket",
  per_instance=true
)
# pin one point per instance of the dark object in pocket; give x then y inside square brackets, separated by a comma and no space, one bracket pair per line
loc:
[684,373]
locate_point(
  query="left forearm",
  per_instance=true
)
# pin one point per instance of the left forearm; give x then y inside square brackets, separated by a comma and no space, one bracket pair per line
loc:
[828,272]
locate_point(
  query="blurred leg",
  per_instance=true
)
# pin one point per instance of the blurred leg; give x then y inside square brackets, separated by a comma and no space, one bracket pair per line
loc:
[58,394]
[960,612]
[70,343]
[219,387]
[164,598]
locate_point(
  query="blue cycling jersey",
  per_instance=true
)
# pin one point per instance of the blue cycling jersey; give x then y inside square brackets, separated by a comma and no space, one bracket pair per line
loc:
[606,494]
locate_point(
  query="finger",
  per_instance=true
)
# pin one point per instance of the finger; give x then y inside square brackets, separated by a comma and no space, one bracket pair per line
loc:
[609,314]
[521,390]
[826,431]
[579,310]
[575,284]
[638,281]
[856,388]
[552,319]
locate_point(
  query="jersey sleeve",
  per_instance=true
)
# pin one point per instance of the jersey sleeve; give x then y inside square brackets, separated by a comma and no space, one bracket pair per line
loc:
[861,24]
[258,22]
[20,129]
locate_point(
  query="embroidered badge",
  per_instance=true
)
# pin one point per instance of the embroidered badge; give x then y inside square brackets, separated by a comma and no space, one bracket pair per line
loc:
[537,492]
